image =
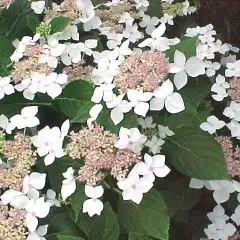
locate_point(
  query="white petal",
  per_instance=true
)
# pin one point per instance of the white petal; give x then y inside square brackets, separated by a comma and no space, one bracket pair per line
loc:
[3,121]
[37,180]
[68,189]
[141,108]
[54,90]
[156,104]
[194,67]
[89,191]
[32,223]
[158,32]
[180,79]
[91,43]
[196,183]
[98,192]
[162,171]
[229,229]
[97,95]
[174,103]
[49,159]
[164,90]
[179,59]
[42,230]
[116,115]
[221,196]
[141,168]
[42,208]
[65,128]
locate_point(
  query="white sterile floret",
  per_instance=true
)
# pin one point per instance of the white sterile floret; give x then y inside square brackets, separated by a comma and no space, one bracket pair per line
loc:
[93,205]
[141,3]
[233,69]
[153,166]
[236,215]
[34,180]
[70,32]
[139,100]
[212,67]
[14,198]
[51,198]
[155,144]
[68,184]
[49,142]
[6,88]
[234,127]
[38,6]
[119,107]
[167,19]
[39,233]
[6,125]
[212,125]
[130,139]
[131,32]
[94,112]
[164,132]
[164,96]
[103,92]
[133,187]
[193,67]
[27,118]
[157,42]
[146,122]
[219,228]
[220,88]
[187,9]
[149,23]
[36,209]
[233,111]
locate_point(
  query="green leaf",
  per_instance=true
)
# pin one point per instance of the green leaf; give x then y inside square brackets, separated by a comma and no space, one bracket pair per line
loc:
[16,18]
[105,226]
[77,200]
[187,46]
[149,218]
[104,119]
[196,154]
[33,23]
[154,9]
[13,104]
[61,237]
[136,236]
[75,101]
[58,24]
[6,50]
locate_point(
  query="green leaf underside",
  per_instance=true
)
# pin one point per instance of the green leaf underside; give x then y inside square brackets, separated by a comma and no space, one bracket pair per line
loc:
[196,154]
[136,236]
[149,218]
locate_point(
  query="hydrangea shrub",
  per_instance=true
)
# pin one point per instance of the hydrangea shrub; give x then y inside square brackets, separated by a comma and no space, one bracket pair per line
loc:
[119,120]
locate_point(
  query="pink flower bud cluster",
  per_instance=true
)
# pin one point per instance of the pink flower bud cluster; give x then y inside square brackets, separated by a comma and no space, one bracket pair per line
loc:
[232,155]
[144,71]
[21,158]
[12,224]
[96,148]
[234,90]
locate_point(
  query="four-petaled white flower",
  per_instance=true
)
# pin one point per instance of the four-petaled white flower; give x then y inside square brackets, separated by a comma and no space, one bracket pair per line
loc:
[155,144]
[233,69]
[157,42]
[36,209]
[167,19]
[233,111]
[104,91]
[39,233]
[130,139]
[93,205]
[164,95]
[5,87]
[68,184]
[49,142]
[6,125]
[119,107]
[146,122]
[51,198]
[149,23]
[154,165]
[164,132]
[220,88]
[38,6]
[133,187]
[139,100]
[27,118]
[34,180]
[193,67]
[212,124]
